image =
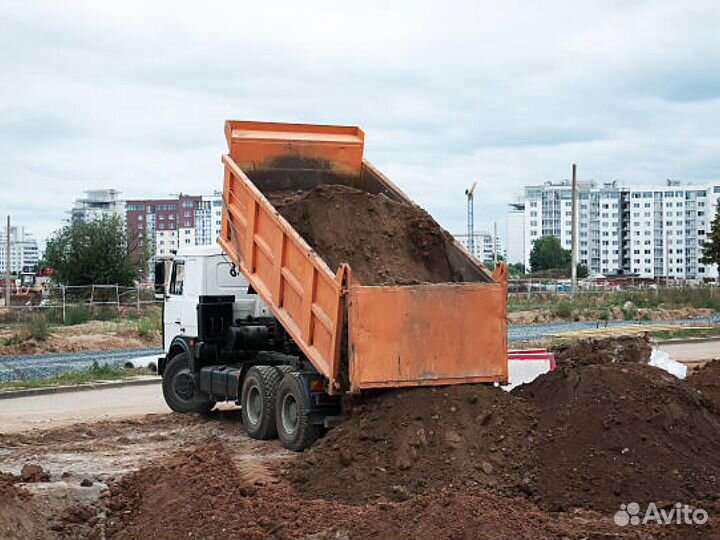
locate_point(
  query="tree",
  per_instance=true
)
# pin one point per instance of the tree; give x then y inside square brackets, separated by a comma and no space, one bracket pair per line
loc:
[711,248]
[548,254]
[96,252]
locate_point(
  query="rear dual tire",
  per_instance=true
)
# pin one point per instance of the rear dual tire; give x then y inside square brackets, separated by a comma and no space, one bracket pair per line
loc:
[293,421]
[258,401]
[274,404]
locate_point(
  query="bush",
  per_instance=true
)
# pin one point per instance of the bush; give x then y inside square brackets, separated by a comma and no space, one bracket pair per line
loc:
[563,310]
[106,313]
[38,327]
[149,324]
[76,315]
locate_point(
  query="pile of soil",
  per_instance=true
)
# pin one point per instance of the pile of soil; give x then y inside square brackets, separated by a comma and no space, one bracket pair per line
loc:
[707,381]
[383,241]
[611,433]
[201,493]
[400,443]
[634,349]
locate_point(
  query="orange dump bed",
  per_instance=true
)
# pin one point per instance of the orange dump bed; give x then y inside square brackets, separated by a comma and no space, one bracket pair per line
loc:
[357,336]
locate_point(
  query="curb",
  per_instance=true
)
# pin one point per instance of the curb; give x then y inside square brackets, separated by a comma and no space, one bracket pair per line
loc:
[77,388]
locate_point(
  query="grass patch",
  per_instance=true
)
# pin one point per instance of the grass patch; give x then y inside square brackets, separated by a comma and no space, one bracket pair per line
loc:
[680,333]
[38,327]
[76,315]
[98,373]
[149,324]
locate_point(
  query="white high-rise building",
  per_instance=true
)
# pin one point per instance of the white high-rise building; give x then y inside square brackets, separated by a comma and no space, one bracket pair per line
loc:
[483,249]
[97,203]
[208,219]
[24,253]
[515,234]
[649,231]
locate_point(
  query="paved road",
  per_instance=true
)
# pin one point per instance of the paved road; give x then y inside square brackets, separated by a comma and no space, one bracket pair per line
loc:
[57,410]
[692,352]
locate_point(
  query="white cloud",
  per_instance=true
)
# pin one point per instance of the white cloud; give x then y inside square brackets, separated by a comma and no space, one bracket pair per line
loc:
[133,95]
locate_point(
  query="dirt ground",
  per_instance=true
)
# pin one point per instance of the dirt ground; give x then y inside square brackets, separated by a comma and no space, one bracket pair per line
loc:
[553,459]
[89,336]
[658,314]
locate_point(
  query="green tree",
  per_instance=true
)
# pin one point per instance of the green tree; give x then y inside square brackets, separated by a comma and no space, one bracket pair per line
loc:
[548,254]
[711,249]
[96,252]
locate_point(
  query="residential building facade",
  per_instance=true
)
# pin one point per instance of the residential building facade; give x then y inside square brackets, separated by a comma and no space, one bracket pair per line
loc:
[650,231]
[97,203]
[484,247]
[24,252]
[170,224]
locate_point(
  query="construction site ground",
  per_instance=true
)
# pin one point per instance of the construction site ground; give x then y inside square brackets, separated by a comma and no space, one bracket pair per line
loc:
[88,336]
[554,459]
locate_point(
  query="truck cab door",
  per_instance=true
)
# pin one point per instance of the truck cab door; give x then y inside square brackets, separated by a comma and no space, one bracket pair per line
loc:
[174,301]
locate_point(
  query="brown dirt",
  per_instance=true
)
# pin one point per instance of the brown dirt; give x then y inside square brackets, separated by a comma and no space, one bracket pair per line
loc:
[383,241]
[90,336]
[33,473]
[707,381]
[615,313]
[617,349]
[401,443]
[610,433]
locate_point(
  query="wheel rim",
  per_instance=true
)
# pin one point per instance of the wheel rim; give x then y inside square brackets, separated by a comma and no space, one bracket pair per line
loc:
[254,405]
[289,414]
[183,385]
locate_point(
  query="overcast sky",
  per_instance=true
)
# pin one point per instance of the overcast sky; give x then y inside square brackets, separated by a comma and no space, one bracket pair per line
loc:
[127,96]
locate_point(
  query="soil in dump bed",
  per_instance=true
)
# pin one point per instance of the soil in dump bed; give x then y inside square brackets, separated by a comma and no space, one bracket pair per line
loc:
[384,241]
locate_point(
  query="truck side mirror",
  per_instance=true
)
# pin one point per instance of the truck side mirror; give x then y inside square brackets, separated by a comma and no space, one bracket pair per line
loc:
[160,292]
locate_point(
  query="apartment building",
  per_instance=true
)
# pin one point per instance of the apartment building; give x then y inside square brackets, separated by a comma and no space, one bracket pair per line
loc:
[651,231]
[484,247]
[95,204]
[24,252]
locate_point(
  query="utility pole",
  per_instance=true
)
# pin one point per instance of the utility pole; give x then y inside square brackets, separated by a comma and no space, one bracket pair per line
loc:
[495,244]
[7,264]
[573,258]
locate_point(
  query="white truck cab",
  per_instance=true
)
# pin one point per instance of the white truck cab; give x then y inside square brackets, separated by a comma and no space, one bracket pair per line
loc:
[203,271]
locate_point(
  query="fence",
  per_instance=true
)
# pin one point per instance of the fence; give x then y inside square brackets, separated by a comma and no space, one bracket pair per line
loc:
[101,299]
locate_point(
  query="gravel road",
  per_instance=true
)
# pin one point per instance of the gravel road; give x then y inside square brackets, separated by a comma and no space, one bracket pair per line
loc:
[28,367]
[38,366]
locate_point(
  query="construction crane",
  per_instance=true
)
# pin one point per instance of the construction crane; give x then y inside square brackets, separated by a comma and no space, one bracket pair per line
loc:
[470,193]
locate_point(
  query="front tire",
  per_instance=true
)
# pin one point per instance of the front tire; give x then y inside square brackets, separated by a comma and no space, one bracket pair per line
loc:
[292,416]
[258,401]
[179,389]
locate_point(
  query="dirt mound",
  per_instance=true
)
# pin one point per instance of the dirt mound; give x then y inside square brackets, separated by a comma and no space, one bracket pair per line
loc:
[474,513]
[404,442]
[202,493]
[383,241]
[707,381]
[607,350]
[33,473]
[613,433]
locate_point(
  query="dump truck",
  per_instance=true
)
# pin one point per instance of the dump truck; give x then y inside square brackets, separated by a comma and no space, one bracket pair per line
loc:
[263,321]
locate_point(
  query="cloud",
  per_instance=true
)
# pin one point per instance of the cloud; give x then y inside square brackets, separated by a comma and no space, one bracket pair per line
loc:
[133,95]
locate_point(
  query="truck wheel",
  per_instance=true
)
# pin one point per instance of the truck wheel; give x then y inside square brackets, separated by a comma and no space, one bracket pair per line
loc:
[179,389]
[292,416]
[258,401]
